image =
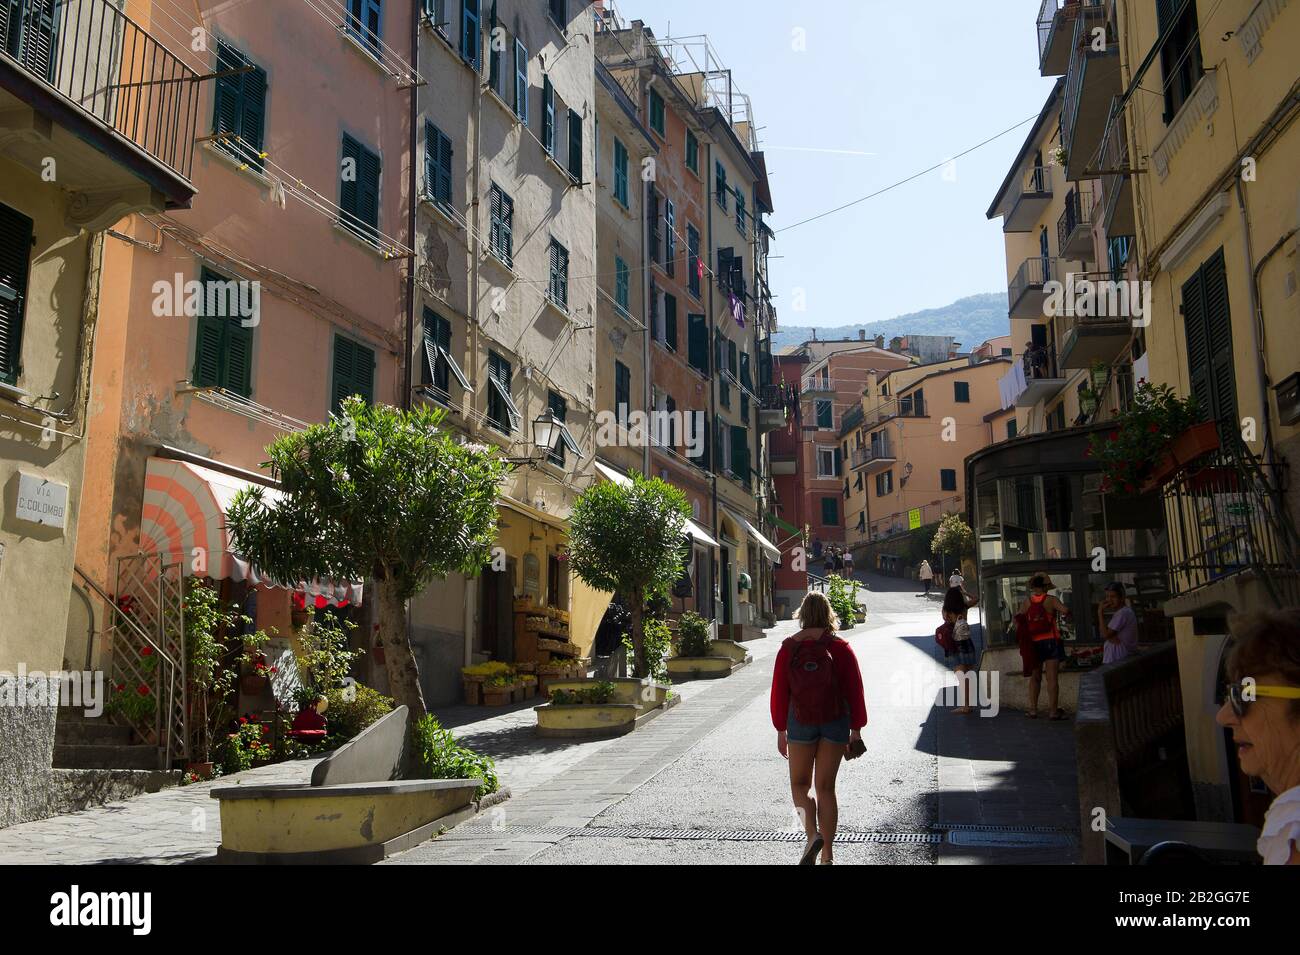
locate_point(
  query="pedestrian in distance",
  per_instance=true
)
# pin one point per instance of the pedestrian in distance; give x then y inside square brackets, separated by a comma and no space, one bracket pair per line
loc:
[1040,615]
[839,561]
[926,576]
[1262,709]
[848,562]
[960,654]
[1120,633]
[818,710]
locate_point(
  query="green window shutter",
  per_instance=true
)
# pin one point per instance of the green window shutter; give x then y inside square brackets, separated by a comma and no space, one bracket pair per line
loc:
[15,256]
[698,343]
[443,193]
[368,192]
[670,322]
[620,173]
[1198,344]
[656,112]
[30,36]
[575,146]
[238,375]
[430,160]
[208,354]
[469,32]
[253,120]
[670,237]
[839,462]
[521,81]
[548,115]
[622,277]
[354,371]
[830,512]
[559,409]
[226,94]
[348,189]
[692,152]
[740,452]
[1218,327]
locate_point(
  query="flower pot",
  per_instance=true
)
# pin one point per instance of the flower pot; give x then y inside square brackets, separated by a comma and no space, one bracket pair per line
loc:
[378,653]
[496,695]
[299,618]
[473,692]
[1196,442]
[202,770]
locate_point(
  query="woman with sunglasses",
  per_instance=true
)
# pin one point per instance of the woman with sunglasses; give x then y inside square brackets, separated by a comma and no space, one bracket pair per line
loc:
[1263,711]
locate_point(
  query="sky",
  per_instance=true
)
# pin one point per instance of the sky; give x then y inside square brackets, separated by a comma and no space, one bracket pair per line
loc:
[910,85]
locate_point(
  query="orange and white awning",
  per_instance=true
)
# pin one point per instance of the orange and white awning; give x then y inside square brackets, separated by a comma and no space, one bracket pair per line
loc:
[184,517]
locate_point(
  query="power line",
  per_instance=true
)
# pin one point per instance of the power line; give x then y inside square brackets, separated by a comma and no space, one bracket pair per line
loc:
[902,182]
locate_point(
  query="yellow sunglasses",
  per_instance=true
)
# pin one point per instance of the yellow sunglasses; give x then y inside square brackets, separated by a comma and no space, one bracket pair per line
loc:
[1237,696]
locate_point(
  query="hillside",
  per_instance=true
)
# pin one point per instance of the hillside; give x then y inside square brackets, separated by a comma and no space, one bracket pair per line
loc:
[970,320]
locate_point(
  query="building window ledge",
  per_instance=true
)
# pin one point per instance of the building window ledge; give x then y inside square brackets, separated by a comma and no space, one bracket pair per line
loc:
[1254,26]
[241,166]
[442,210]
[368,244]
[1200,106]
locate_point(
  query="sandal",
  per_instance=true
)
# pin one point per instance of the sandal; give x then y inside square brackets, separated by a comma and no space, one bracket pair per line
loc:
[1060,714]
[1032,714]
[809,856]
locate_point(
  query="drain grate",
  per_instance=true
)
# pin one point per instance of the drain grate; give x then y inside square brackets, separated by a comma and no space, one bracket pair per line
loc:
[973,836]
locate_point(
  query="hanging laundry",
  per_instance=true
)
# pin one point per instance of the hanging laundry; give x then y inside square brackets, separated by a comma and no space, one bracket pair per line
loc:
[737,309]
[278,195]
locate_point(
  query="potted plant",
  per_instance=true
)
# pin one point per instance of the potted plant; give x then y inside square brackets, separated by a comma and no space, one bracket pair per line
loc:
[1099,373]
[1135,457]
[254,681]
[1088,402]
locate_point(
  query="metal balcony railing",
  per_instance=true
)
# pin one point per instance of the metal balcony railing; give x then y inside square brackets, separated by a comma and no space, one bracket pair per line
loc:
[1033,273]
[1226,516]
[1112,156]
[1038,181]
[1040,362]
[817,386]
[909,406]
[1047,12]
[1075,218]
[111,68]
[876,451]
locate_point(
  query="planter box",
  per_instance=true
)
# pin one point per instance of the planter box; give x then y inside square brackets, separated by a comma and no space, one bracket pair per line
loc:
[729,648]
[585,720]
[1196,442]
[496,695]
[473,692]
[701,668]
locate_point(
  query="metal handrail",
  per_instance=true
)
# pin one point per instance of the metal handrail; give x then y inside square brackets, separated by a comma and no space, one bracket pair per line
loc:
[1076,214]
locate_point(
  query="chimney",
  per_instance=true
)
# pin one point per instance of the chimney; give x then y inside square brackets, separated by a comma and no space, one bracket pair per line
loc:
[862,334]
[880,341]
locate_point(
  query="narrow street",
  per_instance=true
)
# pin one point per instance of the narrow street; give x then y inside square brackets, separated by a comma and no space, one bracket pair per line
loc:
[704,784]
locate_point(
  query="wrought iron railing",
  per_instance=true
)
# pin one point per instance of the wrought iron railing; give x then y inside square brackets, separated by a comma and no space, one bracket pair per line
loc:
[1040,362]
[876,451]
[1112,158]
[1226,516]
[1033,273]
[1076,216]
[111,68]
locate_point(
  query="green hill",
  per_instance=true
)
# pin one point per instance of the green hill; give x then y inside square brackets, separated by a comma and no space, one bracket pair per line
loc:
[970,320]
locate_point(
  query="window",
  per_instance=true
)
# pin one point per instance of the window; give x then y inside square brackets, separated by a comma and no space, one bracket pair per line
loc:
[502,412]
[693,260]
[740,453]
[622,392]
[1011,429]
[884,483]
[575,146]
[439,366]
[720,184]
[697,332]
[15,255]
[521,81]
[224,355]
[501,208]
[437,165]
[746,385]
[1006,353]
[670,237]
[947,479]
[436,11]
[652,200]
[1117,253]
[548,115]
[558,289]
[1180,56]
[354,372]
[825,413]
[239,109]
[670,321]
[559,409]
[740,211]
[620,173]
[826,463]
[656,112]
[830,512]
[692,153]
[469,33]
[553,573]
[697,439]
[622,281]
[364,23]
[1209,342]
[496,77]
[961,392]
[560,15]
[359,192]
[720,348]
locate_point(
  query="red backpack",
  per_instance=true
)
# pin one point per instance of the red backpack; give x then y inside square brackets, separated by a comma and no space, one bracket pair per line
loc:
[814,689]
[1037,620]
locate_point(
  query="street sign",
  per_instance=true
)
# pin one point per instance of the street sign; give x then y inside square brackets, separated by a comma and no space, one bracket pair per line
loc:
[914,518]
[41,501]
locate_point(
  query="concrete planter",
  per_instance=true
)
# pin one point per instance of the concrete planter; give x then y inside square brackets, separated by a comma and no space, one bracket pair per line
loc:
[626,690]
[701,668]
[585,720]
[729,648]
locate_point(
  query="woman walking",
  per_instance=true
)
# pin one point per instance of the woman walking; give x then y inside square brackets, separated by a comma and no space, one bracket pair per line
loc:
[962,657]
[818,709]
[926,575]
[1040,615]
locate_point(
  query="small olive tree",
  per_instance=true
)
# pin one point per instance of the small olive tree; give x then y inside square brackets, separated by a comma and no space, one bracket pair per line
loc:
[954,536]
[626,539]
[381,493]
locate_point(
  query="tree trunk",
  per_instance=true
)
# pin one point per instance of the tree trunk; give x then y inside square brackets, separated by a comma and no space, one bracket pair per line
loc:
[399,658]
[637,612]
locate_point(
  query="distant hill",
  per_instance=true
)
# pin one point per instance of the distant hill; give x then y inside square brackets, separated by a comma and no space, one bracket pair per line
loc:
[970,320]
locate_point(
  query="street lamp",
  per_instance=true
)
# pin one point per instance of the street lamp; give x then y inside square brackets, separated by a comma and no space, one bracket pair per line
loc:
[546,431]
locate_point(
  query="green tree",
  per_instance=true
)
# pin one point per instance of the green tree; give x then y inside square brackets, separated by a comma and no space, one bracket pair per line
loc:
[627,539]
[381,493]
[954,537]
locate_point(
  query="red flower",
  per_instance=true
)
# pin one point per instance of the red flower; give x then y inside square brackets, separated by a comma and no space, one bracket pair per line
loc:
[1153,427]
[146,651]
[120,687]
[142,689]
[275,669]
[243,719]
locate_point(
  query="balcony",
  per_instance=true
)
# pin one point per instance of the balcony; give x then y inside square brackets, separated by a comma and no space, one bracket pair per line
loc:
[85,86]
[817,386]
[909,406]
[1034,196]
[773,409]
[1036,378]
[1025,293]
[1116,184]
[1086,339]
[1074,227]
[1056,33]
[873,458]
[1092,82]
[1229,529]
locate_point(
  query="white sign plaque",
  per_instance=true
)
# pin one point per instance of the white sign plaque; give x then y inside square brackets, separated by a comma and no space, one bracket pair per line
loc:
[41,500]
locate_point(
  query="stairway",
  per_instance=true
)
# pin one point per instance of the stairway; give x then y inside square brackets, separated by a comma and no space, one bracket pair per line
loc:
[85,742]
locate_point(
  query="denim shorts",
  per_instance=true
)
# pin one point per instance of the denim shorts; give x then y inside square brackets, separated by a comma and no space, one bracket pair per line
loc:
[1052,649]
[836,731]
[964,655]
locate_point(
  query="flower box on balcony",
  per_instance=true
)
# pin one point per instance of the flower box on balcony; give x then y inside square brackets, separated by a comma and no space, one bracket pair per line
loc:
[1194,443]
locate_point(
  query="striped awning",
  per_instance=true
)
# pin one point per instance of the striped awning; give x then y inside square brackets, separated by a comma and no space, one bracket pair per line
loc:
[184,517]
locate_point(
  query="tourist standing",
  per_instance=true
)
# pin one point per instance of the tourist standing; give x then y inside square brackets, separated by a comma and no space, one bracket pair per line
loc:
[926,576]
[1120,633]
[1040,615]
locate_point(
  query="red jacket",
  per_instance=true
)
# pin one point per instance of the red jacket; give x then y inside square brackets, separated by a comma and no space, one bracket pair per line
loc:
[846,672]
